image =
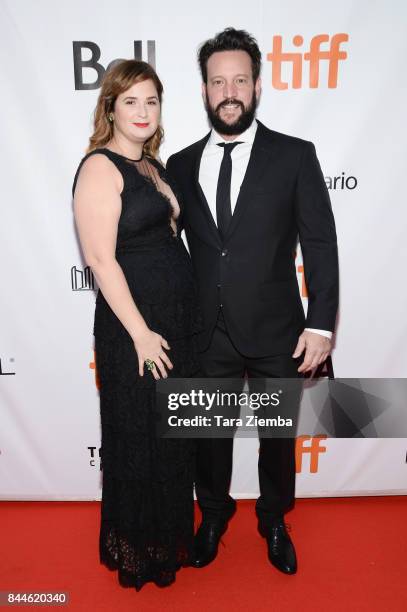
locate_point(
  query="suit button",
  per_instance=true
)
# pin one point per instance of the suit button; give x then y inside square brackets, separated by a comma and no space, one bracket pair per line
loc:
[219,285]
[224,252]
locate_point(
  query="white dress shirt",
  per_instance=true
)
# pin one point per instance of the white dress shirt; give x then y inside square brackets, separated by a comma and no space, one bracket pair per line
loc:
[209,172]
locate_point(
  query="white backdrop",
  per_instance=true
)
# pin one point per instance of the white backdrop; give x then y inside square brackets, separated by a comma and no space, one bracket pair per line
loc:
[50,437]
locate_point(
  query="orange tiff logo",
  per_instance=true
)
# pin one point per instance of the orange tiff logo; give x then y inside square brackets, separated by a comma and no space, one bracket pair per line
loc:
[333,54]
[92,366]
[300,270]
[304,291]
[314,449]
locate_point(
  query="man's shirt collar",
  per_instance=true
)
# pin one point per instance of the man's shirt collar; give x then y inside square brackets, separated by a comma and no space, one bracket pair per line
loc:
[246,136]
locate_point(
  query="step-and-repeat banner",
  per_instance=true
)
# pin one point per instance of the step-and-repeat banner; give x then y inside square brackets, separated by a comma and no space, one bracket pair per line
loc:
[332,73]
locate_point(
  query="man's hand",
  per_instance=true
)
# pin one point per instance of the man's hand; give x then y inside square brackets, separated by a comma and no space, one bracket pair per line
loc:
[317,349]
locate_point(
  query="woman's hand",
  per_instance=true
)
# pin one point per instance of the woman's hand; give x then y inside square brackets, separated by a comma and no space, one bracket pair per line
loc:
[151,346]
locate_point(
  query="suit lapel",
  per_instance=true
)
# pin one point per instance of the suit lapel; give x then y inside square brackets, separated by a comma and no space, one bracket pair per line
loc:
[263,151]
[201,196]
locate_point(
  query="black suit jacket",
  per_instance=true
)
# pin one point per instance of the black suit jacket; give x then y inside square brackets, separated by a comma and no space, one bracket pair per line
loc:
[252,273]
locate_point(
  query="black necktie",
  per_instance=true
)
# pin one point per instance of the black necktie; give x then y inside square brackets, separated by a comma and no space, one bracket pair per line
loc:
[223,205]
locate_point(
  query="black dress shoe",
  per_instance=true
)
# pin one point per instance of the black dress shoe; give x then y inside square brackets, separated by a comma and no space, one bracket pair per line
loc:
[281,551]
[207,538]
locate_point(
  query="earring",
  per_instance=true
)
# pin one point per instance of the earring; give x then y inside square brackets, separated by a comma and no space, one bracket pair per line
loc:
[110,117]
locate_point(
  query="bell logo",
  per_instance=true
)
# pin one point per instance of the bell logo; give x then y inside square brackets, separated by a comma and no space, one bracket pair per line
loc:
[6,373]
[93,66]
[314,449]
[314,56]
[82,280]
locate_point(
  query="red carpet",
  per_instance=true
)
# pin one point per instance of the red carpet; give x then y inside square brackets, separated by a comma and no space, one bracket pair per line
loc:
[351,556]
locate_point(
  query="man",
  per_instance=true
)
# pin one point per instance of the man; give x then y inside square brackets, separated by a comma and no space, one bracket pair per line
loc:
[248,194]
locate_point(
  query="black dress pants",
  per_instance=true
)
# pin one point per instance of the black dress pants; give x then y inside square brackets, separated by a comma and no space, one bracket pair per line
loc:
[276,462]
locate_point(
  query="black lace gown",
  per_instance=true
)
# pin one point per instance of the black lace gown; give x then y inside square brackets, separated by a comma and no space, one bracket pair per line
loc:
[147,497]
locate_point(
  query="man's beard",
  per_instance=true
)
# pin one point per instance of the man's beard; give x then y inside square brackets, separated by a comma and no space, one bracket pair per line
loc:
[240,125]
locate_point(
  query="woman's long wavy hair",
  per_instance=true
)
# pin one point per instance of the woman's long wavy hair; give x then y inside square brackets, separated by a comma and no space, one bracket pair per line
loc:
[118,79]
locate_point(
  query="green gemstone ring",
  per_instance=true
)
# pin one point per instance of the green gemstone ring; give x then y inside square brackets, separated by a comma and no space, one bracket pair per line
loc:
[150,365]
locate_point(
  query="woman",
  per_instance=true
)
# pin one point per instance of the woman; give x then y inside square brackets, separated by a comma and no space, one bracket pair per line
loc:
[145,325]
